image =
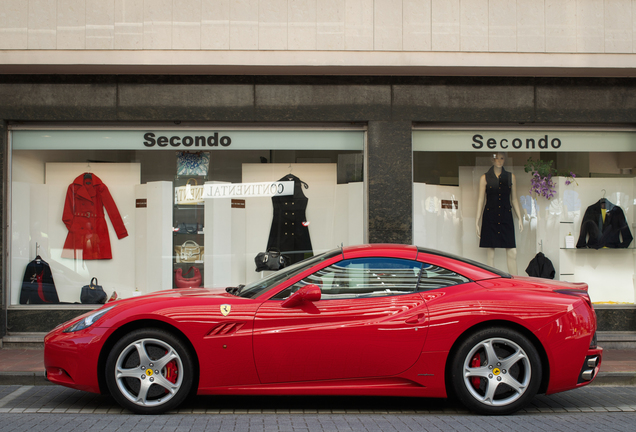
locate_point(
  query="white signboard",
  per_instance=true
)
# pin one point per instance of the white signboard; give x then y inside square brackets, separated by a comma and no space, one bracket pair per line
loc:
[248,190]
[523,140]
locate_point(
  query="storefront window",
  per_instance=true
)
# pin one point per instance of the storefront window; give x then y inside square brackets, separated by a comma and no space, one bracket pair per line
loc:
[583,224]
[151,209]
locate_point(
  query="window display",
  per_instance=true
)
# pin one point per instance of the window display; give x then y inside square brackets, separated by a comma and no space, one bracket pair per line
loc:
[553,184]
[177,218]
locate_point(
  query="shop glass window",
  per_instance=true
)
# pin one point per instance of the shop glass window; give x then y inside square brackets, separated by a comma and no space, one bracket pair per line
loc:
[433,277]
[148,209]
[362,278]
[573,228]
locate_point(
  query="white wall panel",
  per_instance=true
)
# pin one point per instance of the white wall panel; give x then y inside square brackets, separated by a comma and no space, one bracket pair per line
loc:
[416,26]
[530,26]
[590,22]
[157,24]
[129,24]
[14,24]
[618,26]
[71,24]
[42,33]
[560,25]
[387,23]
[359,25]
[100,24]
[302,25]
[502,26]
[272,24]
[473,19]
[186,25]
[215,24]
[330,16]
[244,24]
[445,25]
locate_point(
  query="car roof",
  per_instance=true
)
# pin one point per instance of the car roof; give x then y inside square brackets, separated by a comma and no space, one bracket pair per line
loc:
[466,267]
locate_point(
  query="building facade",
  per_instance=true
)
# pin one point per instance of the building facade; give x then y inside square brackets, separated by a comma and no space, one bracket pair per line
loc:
[383,115]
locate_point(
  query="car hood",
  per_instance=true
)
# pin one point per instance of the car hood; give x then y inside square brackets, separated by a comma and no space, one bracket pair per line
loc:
[177,293]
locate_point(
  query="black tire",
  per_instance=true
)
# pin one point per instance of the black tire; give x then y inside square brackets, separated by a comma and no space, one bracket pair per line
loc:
[149,371]
[495,371]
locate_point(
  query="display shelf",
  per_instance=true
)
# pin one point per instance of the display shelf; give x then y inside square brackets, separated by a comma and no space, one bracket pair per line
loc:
[193,214]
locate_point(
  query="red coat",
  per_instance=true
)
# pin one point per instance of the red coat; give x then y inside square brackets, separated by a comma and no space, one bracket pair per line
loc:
[84,217]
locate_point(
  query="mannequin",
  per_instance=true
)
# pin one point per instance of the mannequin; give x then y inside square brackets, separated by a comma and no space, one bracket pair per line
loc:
[496,229]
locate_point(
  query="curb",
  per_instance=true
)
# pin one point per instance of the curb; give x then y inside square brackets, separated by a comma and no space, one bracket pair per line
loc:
[24,378]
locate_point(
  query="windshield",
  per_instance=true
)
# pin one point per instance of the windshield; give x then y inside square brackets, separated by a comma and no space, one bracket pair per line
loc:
[255,289]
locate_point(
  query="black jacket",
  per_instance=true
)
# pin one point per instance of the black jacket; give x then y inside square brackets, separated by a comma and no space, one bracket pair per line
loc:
[541,266]
[37,285]
[596,233]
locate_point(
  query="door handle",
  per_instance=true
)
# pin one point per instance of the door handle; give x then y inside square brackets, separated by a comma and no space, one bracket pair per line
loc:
[415,319]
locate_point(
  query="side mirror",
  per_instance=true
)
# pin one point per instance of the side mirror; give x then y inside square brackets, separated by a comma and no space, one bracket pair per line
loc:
[308,293]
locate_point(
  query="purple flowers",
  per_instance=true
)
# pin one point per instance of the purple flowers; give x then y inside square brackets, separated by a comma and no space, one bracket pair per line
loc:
[571,178]
[541,182]
[542,186]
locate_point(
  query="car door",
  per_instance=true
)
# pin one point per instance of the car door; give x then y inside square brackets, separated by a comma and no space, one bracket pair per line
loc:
[369,322]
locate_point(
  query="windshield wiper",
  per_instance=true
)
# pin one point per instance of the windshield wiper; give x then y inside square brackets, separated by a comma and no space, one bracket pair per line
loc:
[235,290]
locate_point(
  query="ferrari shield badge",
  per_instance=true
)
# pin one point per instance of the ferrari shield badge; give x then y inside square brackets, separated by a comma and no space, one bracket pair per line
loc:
[225,309]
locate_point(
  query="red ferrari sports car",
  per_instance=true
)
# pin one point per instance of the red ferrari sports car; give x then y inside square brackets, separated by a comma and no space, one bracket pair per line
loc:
[390,320]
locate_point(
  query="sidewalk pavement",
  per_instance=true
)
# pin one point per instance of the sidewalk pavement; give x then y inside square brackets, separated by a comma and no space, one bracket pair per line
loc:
[26,367]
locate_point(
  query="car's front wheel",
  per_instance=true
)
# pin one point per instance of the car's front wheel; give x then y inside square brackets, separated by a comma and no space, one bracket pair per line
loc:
[496,371]
[149,371]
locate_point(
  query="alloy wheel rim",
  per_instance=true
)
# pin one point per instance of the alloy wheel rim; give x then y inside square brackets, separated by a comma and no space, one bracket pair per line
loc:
[149,372]
[497,372]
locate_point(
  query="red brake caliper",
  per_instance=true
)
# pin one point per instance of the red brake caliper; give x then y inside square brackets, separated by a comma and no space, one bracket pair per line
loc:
[475,362]
[171,371]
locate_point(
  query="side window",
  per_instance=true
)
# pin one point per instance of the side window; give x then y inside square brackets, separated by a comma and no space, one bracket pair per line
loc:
[362,277]
[437,277]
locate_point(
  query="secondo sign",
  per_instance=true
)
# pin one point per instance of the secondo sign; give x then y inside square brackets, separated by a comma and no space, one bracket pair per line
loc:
[523,140]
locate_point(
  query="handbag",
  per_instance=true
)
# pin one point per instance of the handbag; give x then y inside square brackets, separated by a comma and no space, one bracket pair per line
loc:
[193,163]
[189,228]
[182,282]
[188,252]
[270,260]
[93,293]
[190,194]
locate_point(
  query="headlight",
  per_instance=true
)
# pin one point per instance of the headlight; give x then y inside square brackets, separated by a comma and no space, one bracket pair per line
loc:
[88,321]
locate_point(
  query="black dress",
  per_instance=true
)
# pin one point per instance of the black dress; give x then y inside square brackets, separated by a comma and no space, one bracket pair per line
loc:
[497,227]
[290,230]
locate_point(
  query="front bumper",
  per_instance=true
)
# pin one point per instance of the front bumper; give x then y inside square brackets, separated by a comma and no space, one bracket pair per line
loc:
[71,359]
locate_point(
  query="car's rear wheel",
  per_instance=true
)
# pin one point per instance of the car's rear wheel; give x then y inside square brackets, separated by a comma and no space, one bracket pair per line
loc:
[149,371]
[496,371]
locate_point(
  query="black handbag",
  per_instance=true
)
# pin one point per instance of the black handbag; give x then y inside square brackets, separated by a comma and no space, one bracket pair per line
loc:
[270,260]
[189,228]
[93,293]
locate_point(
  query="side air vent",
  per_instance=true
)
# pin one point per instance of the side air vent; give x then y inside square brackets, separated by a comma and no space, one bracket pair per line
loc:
[225,328]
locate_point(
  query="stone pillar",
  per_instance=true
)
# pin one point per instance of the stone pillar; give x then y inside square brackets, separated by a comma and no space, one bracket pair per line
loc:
[3,223]
[390,174]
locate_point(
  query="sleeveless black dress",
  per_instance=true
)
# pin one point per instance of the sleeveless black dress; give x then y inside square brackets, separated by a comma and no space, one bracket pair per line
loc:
[497,227]
[290,231]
